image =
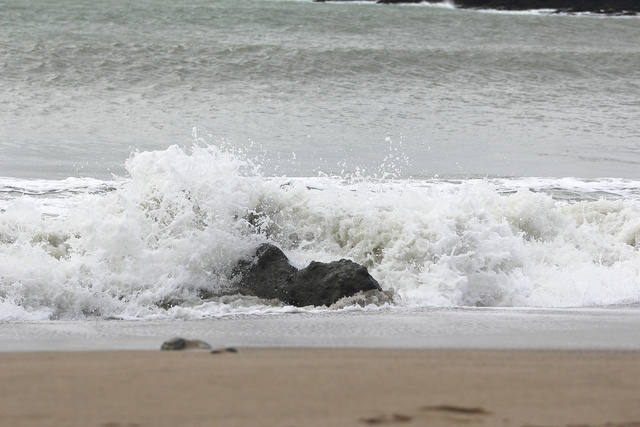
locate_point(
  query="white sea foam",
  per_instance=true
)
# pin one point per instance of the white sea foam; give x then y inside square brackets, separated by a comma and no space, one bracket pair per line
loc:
[144,247]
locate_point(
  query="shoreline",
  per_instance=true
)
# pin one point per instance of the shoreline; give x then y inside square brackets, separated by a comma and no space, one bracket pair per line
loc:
[429,328]
[320,387]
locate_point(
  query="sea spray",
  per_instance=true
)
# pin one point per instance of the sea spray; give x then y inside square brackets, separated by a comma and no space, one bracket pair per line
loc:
[174,226]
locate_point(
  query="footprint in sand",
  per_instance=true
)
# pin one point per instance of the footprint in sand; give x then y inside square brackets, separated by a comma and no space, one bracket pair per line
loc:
[387,419]
[456,410]
[456,414]
[120,425]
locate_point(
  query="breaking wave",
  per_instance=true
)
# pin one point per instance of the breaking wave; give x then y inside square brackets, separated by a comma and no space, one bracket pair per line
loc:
[147,245]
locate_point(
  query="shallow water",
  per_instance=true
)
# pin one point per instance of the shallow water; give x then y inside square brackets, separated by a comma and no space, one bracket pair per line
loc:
[593,329]
[319,87]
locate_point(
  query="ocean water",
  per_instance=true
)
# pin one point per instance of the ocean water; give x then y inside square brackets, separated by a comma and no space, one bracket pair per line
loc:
[479,163]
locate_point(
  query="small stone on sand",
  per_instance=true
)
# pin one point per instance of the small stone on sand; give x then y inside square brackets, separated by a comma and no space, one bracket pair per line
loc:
[184,344]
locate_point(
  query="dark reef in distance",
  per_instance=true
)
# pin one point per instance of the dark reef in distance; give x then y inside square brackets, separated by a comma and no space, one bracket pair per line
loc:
[611,7]
[569,6]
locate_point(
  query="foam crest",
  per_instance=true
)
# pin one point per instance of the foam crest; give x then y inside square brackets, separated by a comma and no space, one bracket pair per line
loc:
[466,244]
[170,229]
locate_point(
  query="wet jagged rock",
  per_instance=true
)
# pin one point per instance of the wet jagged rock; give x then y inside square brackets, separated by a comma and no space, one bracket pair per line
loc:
[269,275]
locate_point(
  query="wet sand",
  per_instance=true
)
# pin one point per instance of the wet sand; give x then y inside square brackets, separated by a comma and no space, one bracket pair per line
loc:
[321,387]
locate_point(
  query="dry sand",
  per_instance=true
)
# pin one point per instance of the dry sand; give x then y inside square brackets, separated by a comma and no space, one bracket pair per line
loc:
[321,387]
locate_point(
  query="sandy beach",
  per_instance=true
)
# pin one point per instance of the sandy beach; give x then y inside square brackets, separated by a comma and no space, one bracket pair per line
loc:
[321,387]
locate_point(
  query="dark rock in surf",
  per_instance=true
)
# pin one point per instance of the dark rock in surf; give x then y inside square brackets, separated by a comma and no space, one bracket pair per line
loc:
[269,275]
[325,283]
